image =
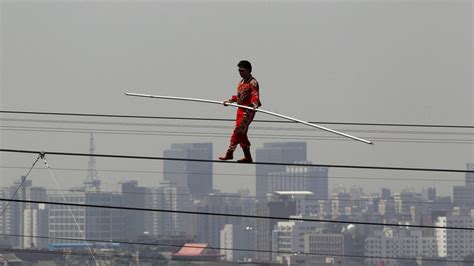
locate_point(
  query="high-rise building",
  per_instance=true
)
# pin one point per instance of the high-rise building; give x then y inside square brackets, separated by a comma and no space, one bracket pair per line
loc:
[301,178]
[386,208]
[382,247]
[196,176]
[236,237]
[469,177]
[93,223]
[428,194]
[275,205]
[278,152]
[209,226]
[170,196]
[12,220]
[341,204]
[330,244]
[463,195]
[305,203]
[35,224]
[135,197]
[386,194]
[289,236]
[405,200]
[456,244]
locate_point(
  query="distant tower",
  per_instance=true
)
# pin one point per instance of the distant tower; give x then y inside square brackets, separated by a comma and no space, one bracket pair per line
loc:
[92,180]
[470,176]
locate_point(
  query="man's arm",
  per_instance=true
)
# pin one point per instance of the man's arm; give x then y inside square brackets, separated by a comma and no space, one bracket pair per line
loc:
[233,99]
[255,94]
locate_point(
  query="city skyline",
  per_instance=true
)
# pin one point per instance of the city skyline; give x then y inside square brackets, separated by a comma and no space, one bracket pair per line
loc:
[184,150]
[395,72]
[317,61]
[423,208]
[292,193]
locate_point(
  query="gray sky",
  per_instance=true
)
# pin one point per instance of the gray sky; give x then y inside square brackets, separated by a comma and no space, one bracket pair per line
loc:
[344,61]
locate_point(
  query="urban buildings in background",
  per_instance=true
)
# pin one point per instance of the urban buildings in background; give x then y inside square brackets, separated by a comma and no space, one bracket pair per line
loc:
[293,196]
[464,195]
[17,217]
[301,178]
[283,152]
[195,176]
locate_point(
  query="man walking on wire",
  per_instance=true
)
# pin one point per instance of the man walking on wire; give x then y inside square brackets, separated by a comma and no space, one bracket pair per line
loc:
[248,95]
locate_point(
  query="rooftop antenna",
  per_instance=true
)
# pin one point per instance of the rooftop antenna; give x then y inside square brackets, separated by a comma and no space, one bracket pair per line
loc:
[92,180]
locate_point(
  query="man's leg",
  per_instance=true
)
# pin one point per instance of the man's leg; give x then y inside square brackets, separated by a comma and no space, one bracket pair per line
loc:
[229,155]
[235,139]
[245,143]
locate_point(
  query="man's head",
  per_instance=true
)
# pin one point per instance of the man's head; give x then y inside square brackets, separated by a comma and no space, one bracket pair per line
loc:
[245,68]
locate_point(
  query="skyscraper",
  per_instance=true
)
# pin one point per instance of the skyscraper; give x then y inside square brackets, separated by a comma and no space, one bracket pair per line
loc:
[135,197]
[456,244]
[196,176]
[209,226]
[275,205]
[301,178]
[169,196]
[35,223]
[93,223]
[238,237]
[462,195]
[469,177]
[278,152]
[12,220]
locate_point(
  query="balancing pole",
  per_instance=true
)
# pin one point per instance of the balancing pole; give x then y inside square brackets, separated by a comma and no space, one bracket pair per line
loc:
[250,108]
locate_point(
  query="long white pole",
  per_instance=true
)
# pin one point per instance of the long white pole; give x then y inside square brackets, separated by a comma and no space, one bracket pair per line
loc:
[249,108]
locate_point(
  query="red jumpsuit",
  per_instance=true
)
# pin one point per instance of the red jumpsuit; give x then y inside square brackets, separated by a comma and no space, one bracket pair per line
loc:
[248,95]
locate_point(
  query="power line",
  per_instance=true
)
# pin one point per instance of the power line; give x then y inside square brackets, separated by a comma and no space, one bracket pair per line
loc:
[220,248]
[237,215]
[224,135]
[226,120]
[247,175]
[200,125]
[232,162]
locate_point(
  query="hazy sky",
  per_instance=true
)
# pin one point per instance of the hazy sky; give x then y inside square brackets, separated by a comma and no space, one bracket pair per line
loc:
[342,61]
